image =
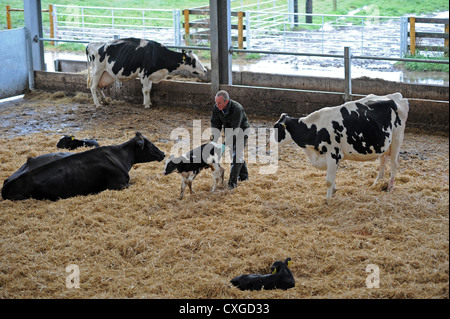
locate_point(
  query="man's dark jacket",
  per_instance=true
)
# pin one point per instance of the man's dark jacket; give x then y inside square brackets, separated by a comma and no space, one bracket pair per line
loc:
[235,117]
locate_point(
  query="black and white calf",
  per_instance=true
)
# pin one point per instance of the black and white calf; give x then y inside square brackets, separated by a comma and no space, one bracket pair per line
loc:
[360,130]
[131,58]
[280,278]
[71,143]
[189,165]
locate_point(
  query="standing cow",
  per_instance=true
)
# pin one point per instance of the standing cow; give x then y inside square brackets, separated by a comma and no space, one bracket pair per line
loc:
[131,58]
[360,130]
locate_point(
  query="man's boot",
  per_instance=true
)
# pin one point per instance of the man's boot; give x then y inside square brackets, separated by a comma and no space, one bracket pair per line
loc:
[235,169]
[243,174]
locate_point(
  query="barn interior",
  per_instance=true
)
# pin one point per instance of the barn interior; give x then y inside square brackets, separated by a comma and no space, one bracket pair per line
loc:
[143,242]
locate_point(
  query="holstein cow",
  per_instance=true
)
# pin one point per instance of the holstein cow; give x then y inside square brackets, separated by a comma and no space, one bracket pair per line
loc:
[131,58]
[71,143]
[360,130]
[189,165]
[61,175]
[280,278]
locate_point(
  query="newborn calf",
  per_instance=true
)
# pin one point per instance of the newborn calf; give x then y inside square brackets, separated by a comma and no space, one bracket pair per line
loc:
[71,143]
[280,278]
[190,164]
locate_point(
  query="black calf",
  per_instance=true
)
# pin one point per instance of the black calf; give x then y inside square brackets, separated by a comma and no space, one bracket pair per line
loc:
[280,278]
[71,143]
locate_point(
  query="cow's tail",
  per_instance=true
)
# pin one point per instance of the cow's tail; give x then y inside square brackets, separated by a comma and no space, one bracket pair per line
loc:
[88,67]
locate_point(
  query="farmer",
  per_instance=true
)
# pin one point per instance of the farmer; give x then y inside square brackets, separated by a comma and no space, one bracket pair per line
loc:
[230,115]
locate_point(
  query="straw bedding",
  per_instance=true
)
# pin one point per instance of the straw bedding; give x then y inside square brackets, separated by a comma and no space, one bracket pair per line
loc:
[142,242]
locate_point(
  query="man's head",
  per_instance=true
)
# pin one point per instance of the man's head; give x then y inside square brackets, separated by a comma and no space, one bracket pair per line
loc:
[222,99]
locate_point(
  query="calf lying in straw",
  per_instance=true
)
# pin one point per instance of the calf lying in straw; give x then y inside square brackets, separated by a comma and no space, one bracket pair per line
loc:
[190,164]
[71,143]
[280,278]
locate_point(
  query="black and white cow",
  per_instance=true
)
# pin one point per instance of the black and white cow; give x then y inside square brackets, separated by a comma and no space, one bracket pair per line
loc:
[130,58]
[62,175]
[189,165]
[70,142]
[360,130]
[280,278]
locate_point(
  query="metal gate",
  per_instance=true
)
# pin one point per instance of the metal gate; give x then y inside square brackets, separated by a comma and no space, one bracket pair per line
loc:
[13,56]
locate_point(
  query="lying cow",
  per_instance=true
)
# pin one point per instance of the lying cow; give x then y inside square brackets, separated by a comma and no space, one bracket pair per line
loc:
[280,278]
[131,58]
[70,142]
[189,165]
[360,130]
[61,175]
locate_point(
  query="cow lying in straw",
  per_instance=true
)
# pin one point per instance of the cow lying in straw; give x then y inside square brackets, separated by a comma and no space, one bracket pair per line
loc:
[190,164]
[280,278]
[71,143]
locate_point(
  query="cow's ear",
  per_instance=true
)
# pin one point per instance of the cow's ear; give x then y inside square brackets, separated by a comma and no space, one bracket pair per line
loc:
[140,140]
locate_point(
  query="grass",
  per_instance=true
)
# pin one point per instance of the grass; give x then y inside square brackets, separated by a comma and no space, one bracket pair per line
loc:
[380,8]
[424,67]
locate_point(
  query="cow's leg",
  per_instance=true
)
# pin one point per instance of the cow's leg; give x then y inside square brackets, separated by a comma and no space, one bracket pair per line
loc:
[395,150]
[381,169]
[99,81]
[103,96]
[184,176]
[222,173]
[331,176]
[217,172]
[146,88]
[93,86]
[189,181]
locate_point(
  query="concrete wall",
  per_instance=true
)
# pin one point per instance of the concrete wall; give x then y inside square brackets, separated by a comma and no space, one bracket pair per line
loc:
[360,86]
[424,113]
[14,68]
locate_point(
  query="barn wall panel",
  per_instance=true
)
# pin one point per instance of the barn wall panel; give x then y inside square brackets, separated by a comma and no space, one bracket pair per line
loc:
[423,113]
[14,69]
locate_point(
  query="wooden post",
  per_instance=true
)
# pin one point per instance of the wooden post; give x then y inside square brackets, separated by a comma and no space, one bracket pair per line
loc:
[412,35]
[8,17]
[186,26]
[309,9]
[446,40]
[50,18]
[241,30]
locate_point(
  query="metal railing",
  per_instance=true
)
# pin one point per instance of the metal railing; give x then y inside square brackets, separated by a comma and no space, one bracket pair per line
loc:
[374,35]
[86,23]
[327,33]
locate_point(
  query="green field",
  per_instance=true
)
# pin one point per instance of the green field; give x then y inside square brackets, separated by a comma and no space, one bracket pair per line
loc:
[380,7]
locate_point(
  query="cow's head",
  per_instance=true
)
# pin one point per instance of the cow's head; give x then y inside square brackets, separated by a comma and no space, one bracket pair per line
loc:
[146,151]
[192,63]
[278,266]
[280,132]
[170,166]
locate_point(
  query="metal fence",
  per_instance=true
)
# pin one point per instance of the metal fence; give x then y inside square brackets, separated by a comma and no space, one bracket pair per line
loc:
[99,23]
[374,35]
[280,30]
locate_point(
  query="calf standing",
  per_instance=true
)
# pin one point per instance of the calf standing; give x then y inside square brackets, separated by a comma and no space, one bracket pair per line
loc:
[190,164]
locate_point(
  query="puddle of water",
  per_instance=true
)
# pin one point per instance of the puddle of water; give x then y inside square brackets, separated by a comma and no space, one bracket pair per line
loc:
[381,72]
